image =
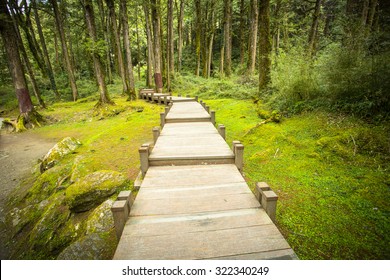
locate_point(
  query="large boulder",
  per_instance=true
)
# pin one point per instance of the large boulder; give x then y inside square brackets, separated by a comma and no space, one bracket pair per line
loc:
[61,149]
[93,189]
[101,219]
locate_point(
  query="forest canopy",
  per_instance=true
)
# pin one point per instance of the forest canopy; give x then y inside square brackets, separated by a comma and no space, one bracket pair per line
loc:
[296,55]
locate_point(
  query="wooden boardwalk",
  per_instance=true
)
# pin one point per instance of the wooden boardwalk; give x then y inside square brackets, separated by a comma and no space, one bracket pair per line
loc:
[193,202]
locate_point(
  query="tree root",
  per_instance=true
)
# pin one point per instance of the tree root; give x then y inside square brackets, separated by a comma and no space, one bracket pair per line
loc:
[24,121]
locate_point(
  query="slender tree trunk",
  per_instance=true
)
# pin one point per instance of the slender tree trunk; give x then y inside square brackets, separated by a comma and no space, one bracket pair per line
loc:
[27,113]
[126,43]
[105,27]
[150,48]
[198,30]
[242,32]
[138,44]
[204,38]
[155,4]
[121,65]
[228,37]
[211,39]
[69,68]
[264,45]
[27,64]
[314,28]
[170,44]
[180,34]
[99,72]
[254,18]
[42,40]
[371,14]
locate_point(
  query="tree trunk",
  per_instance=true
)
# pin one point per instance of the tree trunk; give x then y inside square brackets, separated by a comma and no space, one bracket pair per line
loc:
[121,65]
[180,34]
[150,48]
[28,116]
[242,32]
[126,43]
[228,37]
[105,27]
[170,45]
[42,40]
[198,30]
[264,45]
[99,73]
[211,39]
[314,28]
[138,44]
[254,18]
[68,64]
[155,4]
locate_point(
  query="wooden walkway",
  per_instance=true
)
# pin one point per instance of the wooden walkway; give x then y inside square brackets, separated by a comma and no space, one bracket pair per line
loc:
[193,202]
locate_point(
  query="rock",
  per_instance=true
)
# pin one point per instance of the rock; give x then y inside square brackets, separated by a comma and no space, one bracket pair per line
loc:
[61,149]
[93,189]
[101,219]
[95,246]
[80,168]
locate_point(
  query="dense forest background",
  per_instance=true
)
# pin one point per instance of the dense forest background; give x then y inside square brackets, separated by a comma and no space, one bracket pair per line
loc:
[303,84]
[296,55]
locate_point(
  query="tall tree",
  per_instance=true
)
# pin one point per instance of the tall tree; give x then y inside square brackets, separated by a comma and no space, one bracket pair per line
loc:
[156,20]
[228,37]
[28,115]
[314,28]
[170,45]
[264,45]
[242,31]
[105,27]
[121,65]
[50,72]
[65,52]
[180,35]
[150,48]
[254,17]
[98,67]
[126,43]
[209,58]
[198,31]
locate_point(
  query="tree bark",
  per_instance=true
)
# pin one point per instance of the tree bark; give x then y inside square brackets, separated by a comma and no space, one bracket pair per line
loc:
[242,31]
[264,45]
[180,34]
[198,30]
[228,38]
[121,65]
[155,5]
[42,40]
[126,43]
[150,48]
[105,27]
[254,18]
[99,72]
[170,45]
[68,64]
[314,28]
[26,109]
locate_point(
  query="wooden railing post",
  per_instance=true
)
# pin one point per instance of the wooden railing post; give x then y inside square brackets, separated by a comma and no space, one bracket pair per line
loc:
[120,213]
[235,142]
[212,115]
[144,159]
[267,198]
[207,109]
[126,195]
[222,131]
[165,100]
[162,119]
[196,98]
[239,156]
[156,133]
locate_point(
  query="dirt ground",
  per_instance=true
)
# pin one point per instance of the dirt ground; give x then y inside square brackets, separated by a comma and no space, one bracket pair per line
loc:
[18,154]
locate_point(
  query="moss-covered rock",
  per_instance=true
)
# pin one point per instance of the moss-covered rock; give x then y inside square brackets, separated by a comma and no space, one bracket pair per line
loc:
[61,149]
[95,246]
[93,189]
[101,219]
[81,167]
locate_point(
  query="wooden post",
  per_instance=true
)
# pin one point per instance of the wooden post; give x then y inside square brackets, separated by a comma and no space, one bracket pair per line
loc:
[162,119]
[179,95]
[207,109]
[196,98]
[126,195]
[222,131]
[152,97]
[201,103]
[156,133]
[212,115]
[235,142]
[159,100]
[167,110]
[120,213]
[260,188]
[165,100]
[144,158]
[188,96]
[239,158]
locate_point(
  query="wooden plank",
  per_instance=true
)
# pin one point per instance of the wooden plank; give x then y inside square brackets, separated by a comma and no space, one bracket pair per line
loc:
[284,254]
[188,129]
[202,245]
